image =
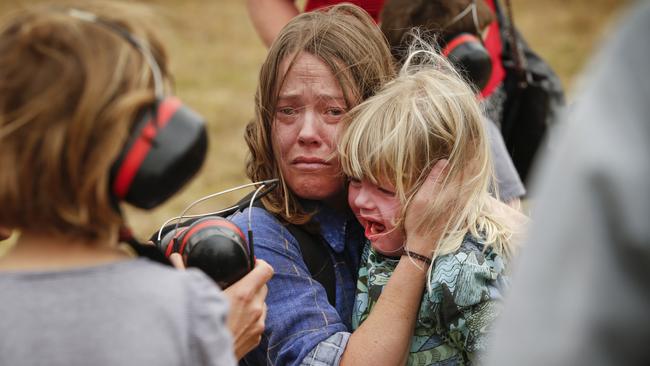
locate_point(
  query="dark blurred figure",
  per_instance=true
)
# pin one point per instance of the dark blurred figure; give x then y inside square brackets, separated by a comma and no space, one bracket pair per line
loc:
[460,29]
[76,86]
[4,233]
[582,292]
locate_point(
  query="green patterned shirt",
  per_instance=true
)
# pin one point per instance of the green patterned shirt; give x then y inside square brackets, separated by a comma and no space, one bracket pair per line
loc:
[455,316]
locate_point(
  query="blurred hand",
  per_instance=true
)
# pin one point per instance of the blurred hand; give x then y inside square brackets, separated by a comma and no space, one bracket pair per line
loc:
[247,308]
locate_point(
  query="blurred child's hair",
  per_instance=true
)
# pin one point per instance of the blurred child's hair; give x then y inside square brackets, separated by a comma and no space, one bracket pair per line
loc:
[426,114]
[435,19]
[69,93]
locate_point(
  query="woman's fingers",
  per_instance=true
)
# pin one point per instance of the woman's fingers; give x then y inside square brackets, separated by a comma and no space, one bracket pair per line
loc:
[177,260]
[423,240]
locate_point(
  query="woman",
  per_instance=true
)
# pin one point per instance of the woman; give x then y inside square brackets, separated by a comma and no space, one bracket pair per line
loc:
[321,65]
[73,86]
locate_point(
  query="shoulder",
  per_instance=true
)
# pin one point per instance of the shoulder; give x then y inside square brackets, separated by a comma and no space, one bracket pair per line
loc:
[267,228]
[162,282]
[471,275]
[255,216]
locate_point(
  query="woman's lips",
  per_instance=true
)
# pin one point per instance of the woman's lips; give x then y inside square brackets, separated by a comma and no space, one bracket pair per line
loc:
[309,164]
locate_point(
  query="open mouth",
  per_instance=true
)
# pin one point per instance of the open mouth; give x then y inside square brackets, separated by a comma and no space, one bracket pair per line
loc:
[374,229]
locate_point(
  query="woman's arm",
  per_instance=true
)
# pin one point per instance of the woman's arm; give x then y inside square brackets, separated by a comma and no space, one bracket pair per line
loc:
[384,337]
[299,316]
[270,16]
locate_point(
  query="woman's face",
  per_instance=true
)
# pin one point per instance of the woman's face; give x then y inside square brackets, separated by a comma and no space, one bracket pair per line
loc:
[306,127]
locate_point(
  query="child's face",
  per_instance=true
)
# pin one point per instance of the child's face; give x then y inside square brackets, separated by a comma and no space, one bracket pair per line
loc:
[377,209]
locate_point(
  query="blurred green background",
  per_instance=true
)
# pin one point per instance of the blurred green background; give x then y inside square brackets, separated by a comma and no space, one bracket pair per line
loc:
[215,56]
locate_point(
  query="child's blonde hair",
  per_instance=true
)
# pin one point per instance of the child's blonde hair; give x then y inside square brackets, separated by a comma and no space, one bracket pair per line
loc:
[426,114]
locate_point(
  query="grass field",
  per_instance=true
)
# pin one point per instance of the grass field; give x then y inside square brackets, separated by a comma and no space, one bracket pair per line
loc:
[216,54]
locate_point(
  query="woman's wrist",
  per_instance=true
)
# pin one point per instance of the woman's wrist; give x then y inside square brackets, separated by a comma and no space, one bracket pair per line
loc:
[417,256]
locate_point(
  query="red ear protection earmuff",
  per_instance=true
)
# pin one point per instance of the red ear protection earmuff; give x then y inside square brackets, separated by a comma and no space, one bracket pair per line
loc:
[466,51]
[167,144]
[215,245]
[211,242]
[467,54]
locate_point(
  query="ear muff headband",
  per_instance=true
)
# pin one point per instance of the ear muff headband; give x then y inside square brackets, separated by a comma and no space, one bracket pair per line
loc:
[461,39]
[210,223]
[133,40]
[173,243]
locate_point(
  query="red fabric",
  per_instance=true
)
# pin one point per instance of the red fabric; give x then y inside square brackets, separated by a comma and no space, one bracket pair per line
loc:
[210,223]
[170,246]
[493,45]
[373,7]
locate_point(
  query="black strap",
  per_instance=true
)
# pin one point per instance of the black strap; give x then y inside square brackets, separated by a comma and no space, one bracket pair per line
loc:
[315,253]
[318,259]
[142,250]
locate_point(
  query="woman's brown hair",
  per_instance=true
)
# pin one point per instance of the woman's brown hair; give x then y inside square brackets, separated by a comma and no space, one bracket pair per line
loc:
[346,39]
[70,90]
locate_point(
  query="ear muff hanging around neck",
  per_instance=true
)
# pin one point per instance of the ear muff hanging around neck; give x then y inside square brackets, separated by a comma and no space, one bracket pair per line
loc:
[467,54]
[167,143]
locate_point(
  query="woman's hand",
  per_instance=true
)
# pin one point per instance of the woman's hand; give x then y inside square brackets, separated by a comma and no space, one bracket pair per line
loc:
[247,308]
[422,240]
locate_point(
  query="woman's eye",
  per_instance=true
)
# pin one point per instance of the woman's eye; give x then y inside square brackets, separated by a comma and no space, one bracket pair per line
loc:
[336,112]
[288,111]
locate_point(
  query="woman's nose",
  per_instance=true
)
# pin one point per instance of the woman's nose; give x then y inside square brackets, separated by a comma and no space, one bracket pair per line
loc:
[308,134]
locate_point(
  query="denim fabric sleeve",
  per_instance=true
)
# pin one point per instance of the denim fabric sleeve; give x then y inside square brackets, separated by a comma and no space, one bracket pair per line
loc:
[328,352]
[299,316]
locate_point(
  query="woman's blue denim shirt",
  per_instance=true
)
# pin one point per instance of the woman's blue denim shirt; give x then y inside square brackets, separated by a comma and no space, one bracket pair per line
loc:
[300,319]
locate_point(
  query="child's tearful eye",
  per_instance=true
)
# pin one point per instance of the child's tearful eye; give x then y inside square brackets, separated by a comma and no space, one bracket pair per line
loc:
[386,191]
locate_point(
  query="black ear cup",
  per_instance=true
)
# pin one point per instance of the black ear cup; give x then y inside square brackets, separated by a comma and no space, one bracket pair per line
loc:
[467,54]
[213,244]
[166,149]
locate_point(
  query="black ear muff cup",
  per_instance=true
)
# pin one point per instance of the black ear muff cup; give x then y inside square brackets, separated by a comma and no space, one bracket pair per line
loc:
[469,56]
[213,244]
[167,148]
